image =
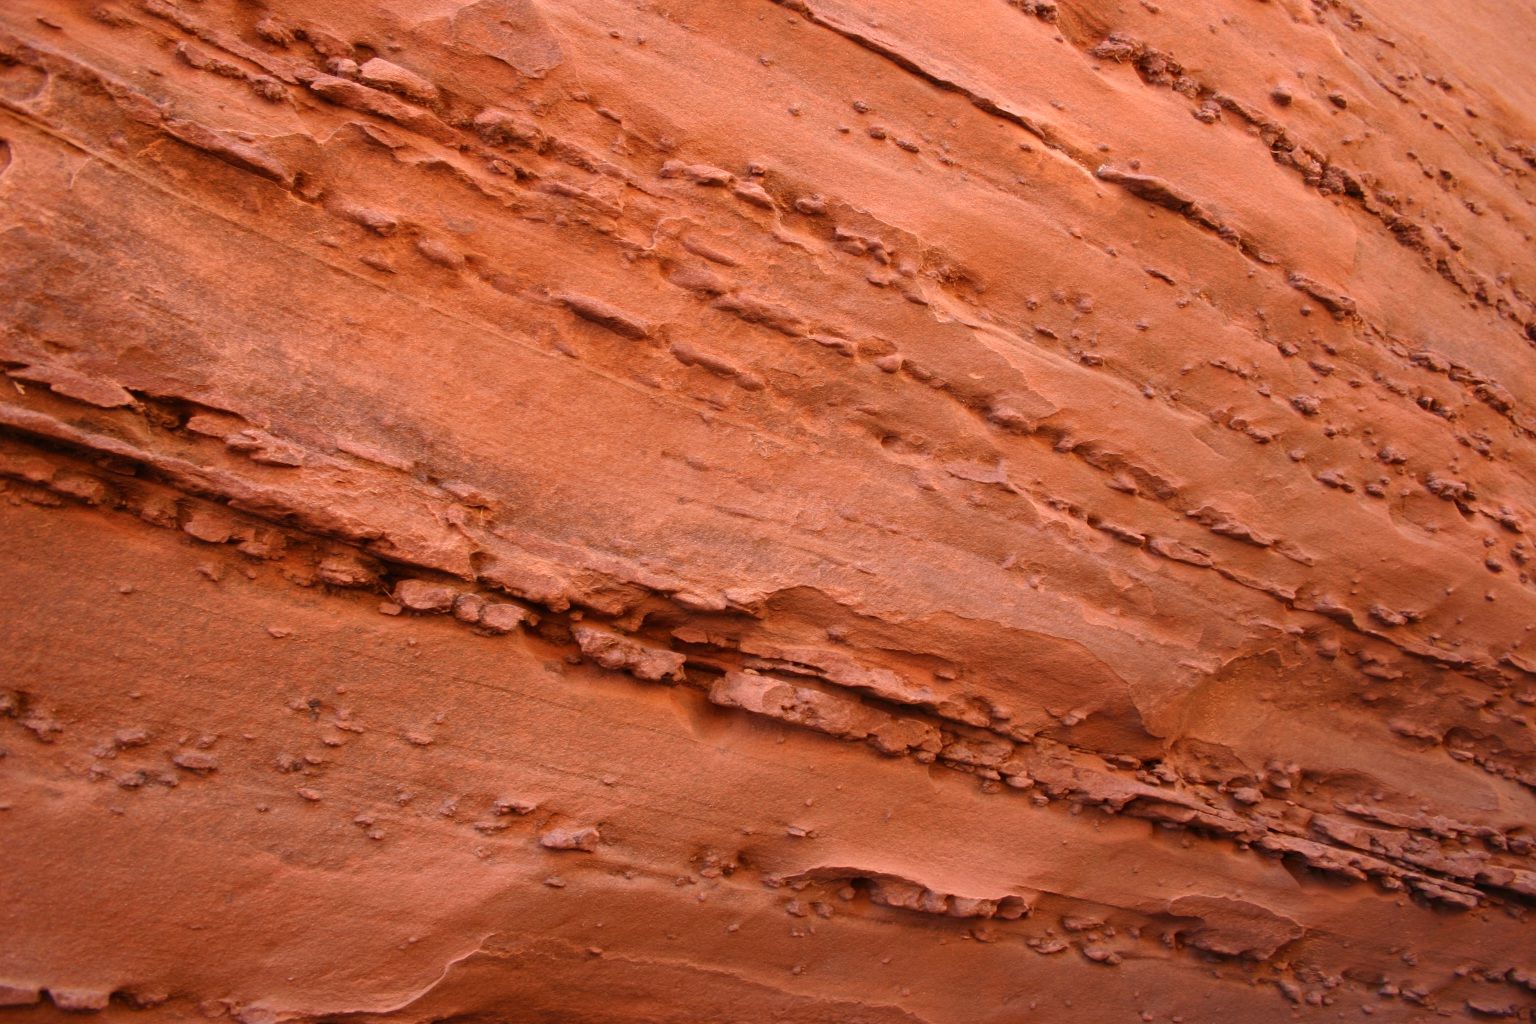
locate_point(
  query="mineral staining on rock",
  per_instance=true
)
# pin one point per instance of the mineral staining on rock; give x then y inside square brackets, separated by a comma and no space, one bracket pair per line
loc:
[818,510]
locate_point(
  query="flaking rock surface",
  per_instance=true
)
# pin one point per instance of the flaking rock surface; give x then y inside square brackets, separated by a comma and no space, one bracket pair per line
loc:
[819,510]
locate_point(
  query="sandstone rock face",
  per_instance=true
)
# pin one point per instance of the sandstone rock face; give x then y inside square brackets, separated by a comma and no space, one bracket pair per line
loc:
[819,510]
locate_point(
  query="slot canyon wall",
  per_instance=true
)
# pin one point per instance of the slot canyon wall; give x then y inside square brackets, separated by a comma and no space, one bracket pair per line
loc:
[871,511]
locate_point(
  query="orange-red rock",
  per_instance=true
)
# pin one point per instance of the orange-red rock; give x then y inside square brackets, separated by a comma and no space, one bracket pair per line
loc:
[819,510]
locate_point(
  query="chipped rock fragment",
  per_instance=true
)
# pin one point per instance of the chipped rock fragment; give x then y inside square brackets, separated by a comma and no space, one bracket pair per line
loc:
[582,838]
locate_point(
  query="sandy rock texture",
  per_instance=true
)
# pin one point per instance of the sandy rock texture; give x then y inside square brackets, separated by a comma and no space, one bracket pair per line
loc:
[949,512]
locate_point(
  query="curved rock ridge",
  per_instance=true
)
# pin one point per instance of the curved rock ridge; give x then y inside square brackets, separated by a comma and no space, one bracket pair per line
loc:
[798,510]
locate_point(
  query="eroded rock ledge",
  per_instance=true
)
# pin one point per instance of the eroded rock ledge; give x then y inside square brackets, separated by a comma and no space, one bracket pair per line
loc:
[818,511]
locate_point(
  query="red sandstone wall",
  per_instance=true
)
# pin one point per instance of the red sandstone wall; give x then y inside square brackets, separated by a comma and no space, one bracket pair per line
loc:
[843,510]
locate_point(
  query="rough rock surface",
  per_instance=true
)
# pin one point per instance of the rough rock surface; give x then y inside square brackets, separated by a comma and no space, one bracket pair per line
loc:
[819,510]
